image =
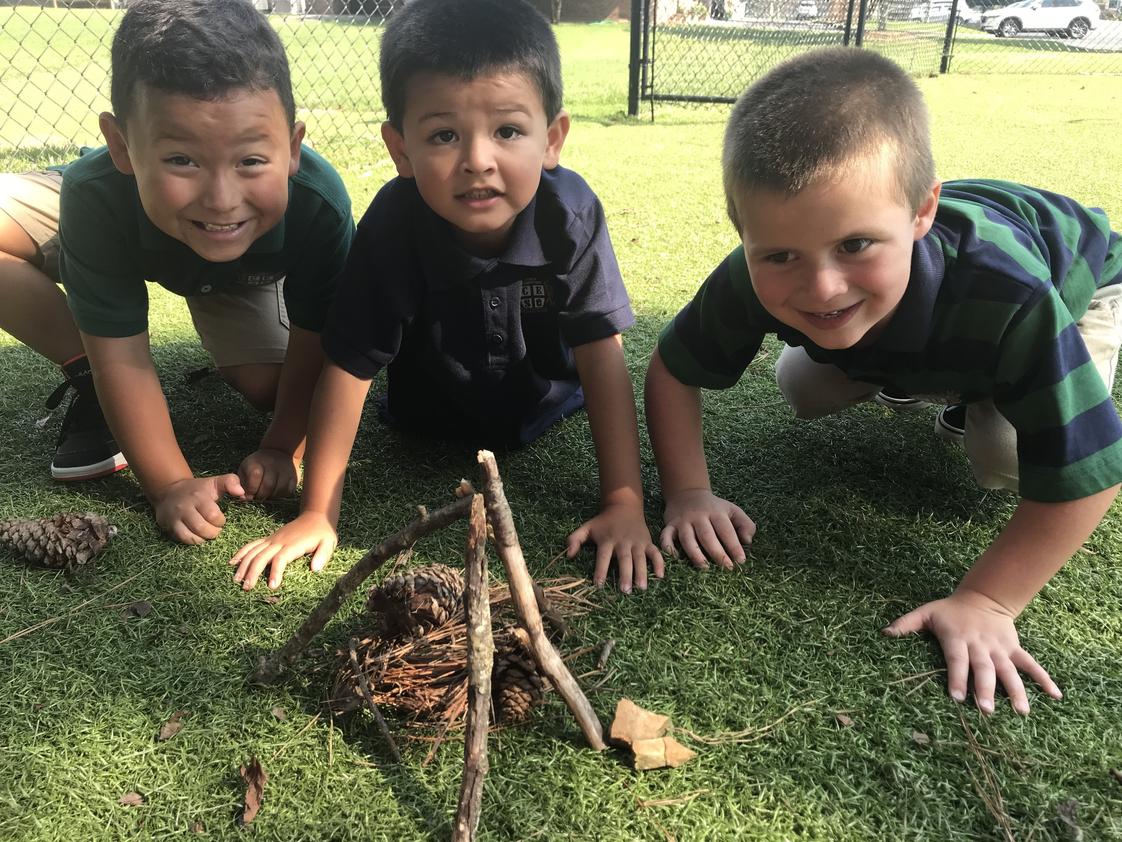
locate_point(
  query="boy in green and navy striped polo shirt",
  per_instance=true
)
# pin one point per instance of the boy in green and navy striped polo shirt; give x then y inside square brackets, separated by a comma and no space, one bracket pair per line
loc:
[883,281]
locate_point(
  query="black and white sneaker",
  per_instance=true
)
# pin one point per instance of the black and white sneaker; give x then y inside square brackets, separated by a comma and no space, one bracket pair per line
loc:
[85,448]
[950,423]
[897,401]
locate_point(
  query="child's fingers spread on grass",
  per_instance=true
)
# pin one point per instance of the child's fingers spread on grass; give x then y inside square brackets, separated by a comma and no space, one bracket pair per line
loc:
[276,572]
[666,540]
[656,561]
[322,555]
[604,555]
[729,537]
[1031,667]
[576,540]
[247,550]
[1014,688]
[985,680]
[958,668]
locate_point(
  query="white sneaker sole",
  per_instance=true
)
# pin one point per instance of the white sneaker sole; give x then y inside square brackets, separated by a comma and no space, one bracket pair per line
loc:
[947,432]
[98,469]
[900,404]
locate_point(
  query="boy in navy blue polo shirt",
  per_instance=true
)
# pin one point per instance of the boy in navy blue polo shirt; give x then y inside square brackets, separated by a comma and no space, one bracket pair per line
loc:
[482,279]
[988,294]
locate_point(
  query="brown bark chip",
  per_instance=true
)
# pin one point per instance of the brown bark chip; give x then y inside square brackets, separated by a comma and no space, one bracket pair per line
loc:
[172,727]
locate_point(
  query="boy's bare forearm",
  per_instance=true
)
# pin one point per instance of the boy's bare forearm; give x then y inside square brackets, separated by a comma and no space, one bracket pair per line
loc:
[332,425]
[133,401]
[302,365]
[1038,540]
[674,424]
[610,403]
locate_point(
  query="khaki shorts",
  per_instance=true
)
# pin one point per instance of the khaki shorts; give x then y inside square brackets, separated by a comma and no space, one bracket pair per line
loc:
[816,389]
[243,327]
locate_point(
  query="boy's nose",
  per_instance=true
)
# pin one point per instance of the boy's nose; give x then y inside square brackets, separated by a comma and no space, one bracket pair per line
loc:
[220,193]
[826,282]
[479,156]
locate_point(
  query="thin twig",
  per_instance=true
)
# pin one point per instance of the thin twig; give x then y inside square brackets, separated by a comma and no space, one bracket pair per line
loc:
[366,694]
[748,735]
[522,595]
[671,802]
[284,747]
[480,659]
[51,620]
[270,668]
[988,789]
[915,676]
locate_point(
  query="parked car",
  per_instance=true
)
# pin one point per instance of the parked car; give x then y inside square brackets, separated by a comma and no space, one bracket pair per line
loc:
[806,9]
[931,11]
[1063,17]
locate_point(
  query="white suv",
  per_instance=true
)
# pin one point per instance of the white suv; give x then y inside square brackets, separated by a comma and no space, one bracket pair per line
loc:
[1068,17]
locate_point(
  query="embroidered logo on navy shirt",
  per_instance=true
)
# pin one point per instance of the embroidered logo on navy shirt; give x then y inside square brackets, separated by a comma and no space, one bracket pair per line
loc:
[260,279]
[535,295]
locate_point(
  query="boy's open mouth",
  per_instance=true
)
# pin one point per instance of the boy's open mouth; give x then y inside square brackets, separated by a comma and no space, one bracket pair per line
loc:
[480,194]
[215,228]
[832,314]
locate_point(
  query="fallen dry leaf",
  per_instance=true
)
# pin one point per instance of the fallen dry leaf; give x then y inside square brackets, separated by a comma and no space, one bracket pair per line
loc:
[131,799]
[280,713]
[255,778]
[633,723]
[844,720]
[197,827]
[172,727]
[1116,774]
[920,738]
[271,599]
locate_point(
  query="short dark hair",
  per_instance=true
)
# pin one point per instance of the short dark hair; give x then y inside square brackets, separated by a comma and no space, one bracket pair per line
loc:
[813,114]
[466,39]
[202,48]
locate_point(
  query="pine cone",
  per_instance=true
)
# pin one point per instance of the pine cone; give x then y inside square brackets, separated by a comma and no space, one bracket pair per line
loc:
[413,602]
[516,686]
[65,541]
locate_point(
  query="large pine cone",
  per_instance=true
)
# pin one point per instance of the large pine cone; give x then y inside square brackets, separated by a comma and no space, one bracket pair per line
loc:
[413,602]
[516,686]
[65,541]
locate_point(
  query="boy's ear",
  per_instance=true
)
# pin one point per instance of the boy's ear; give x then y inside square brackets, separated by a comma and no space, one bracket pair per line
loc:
[395,143]
[925,215]
[556,133]
[114,136]
[294,148]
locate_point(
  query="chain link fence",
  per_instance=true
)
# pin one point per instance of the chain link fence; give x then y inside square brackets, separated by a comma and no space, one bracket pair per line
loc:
[710,50]
[56,79]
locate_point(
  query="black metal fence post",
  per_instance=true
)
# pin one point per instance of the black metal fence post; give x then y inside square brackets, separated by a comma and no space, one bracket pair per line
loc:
[948,38]
[862,11]
[636,61]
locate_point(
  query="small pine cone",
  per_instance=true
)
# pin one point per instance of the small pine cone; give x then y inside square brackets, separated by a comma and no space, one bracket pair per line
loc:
[415,601]
[65,541]
[516,686]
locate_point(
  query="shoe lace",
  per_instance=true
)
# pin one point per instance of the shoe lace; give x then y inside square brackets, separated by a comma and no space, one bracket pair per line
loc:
[82,412]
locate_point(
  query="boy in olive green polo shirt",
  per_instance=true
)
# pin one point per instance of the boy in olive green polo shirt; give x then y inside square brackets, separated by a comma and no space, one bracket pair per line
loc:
[204,187]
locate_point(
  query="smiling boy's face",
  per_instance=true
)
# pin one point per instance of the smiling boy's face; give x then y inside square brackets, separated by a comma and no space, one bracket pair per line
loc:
[213,175]
[476,149]
[833,260]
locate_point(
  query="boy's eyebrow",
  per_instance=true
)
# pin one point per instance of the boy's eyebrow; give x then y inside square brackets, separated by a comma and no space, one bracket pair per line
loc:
[444,115]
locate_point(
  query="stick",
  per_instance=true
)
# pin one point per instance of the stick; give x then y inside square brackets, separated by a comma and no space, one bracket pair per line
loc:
[269,668]
[481,656]
[366,694]
[51,620]
[522,596]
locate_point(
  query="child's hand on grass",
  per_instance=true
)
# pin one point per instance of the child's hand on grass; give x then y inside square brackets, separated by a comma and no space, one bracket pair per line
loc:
[619,532]
[310,534]
[707,528]
[188,510]
[268,473]
[978,635]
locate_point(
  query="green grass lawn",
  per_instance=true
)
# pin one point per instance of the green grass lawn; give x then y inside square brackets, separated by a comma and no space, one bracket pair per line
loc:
[861,517]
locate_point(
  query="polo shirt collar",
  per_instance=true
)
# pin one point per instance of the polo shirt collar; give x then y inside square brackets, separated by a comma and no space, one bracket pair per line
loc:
[452,265]
[152,238]
[912,322]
